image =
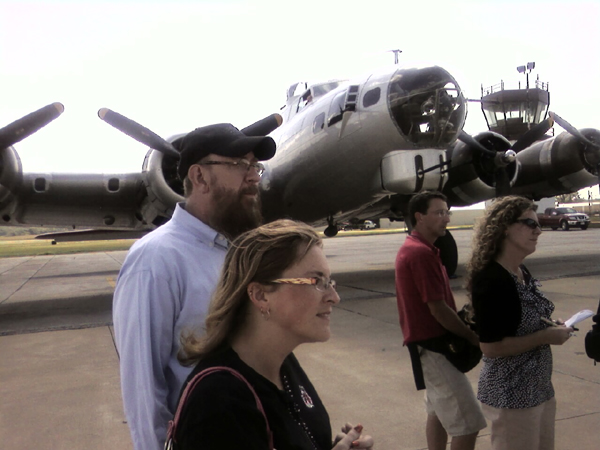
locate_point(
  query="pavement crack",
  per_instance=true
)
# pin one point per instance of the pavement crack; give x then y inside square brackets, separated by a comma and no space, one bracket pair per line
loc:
[576,377]
[109,254]
[112,336]
[374,291]
[578,416]
[28,278]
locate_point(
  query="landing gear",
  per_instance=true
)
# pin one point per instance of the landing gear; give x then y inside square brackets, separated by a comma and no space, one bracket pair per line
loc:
[332,229]
[448,252]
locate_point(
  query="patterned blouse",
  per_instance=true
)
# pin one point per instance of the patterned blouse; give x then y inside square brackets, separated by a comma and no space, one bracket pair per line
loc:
[515,308]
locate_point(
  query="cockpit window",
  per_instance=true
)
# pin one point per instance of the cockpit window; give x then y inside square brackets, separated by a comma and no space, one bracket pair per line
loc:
[305,99]
[324,88]
[427,105]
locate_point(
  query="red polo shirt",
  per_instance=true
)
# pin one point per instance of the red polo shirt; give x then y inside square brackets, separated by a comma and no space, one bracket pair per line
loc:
[420,278]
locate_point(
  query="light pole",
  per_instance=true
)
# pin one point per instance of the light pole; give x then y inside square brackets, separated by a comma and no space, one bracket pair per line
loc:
[526,70]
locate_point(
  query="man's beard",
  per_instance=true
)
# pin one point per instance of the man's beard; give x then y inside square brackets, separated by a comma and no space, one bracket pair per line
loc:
[235,213]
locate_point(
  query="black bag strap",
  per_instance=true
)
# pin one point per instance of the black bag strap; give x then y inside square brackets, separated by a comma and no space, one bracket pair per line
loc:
[415,359]
[170,444]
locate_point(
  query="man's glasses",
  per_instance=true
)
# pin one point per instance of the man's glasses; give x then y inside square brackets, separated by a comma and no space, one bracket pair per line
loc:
[320,283]
[441,213]
[530,223]
[242,163]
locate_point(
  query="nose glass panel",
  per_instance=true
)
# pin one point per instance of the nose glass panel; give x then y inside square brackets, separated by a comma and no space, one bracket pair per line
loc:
[427,105]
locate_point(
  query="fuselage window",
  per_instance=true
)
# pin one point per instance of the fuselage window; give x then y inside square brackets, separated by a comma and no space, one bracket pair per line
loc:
[371,97]
[319,123]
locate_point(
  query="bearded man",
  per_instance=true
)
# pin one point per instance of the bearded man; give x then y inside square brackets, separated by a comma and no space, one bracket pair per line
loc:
[169,276]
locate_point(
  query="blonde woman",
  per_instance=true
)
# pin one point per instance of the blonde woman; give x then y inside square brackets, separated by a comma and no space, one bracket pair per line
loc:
[275,293]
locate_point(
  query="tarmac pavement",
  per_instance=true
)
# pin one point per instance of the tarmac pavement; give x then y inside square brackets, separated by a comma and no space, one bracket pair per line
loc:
[59,378]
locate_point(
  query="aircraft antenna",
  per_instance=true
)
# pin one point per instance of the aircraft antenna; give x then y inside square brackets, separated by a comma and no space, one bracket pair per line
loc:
[396,53]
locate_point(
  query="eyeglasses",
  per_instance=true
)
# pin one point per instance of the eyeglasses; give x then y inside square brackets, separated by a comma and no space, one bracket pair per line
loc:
[530,223]
[320,283]
[242,163]
[441,213]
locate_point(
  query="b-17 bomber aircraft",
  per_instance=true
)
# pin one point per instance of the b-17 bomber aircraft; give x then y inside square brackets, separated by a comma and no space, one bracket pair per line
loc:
[346,149]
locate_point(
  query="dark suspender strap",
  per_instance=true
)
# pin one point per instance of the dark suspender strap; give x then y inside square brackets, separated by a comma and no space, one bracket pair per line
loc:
[415,360]
[171,443]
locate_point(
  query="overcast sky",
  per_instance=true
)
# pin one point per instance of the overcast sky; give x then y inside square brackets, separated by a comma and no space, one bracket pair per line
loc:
[177,65]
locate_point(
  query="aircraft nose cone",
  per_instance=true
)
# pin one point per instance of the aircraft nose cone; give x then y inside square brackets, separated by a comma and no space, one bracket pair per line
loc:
[428,106]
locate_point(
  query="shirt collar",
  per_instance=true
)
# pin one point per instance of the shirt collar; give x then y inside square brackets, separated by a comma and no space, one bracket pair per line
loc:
[419,237]
[198,228]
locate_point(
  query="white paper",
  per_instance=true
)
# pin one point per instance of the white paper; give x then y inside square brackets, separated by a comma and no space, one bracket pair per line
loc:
[578,317]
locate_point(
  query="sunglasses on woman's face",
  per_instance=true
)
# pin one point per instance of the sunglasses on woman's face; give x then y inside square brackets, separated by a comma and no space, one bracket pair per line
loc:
[533,224]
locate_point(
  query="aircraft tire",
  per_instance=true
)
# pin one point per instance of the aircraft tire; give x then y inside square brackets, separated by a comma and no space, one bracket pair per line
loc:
[448,252]
[330,231]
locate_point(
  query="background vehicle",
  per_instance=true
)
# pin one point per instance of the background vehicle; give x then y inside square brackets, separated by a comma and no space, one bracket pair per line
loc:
[358,225]
[369,225]
[563,218]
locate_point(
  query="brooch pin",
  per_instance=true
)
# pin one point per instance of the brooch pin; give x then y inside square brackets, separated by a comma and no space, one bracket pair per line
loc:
[306,398]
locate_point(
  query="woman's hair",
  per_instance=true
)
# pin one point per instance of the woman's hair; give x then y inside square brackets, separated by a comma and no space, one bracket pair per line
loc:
[490,231]
[259,255]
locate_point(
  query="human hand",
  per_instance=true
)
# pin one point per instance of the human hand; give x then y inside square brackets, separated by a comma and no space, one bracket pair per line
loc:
[351,438]
[558,335]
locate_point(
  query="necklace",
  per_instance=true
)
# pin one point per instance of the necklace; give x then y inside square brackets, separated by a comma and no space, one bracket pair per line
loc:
[518,274]
[294,410]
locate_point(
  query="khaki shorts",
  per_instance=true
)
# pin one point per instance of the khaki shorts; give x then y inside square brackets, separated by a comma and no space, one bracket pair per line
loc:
[449,396]
[522,429]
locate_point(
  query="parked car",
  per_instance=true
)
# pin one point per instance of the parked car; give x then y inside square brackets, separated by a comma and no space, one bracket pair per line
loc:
[563,218]
[357,225]
[369,225]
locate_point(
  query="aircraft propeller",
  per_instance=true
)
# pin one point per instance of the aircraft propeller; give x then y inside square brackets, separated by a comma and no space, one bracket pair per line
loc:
[29,124]
[592,155]
[572,130]
[138,132]
[145,136]
[263,126]
[503,159]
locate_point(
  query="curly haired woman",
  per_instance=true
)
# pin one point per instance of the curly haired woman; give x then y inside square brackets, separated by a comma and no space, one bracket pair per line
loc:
[515,386]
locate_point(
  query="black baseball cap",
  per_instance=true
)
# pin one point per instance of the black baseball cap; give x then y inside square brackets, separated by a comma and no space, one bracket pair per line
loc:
[220,139]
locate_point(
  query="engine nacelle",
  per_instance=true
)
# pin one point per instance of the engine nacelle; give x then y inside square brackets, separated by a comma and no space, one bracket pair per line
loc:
[11,177]
[164,188]
[471,174]
[557,166]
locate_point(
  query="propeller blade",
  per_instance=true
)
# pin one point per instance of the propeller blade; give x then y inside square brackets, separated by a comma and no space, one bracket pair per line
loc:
[502,182]
[572,130]
[137,132]
[470,140]
[534,134]
[26,126]
[263,126]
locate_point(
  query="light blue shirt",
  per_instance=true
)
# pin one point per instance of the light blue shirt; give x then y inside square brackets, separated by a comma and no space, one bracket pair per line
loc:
[163,288]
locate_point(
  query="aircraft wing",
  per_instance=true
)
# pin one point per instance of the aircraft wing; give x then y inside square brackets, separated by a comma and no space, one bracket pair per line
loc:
[109,205]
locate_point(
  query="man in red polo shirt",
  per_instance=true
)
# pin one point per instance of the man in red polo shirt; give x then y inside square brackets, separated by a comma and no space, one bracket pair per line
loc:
[427,310]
